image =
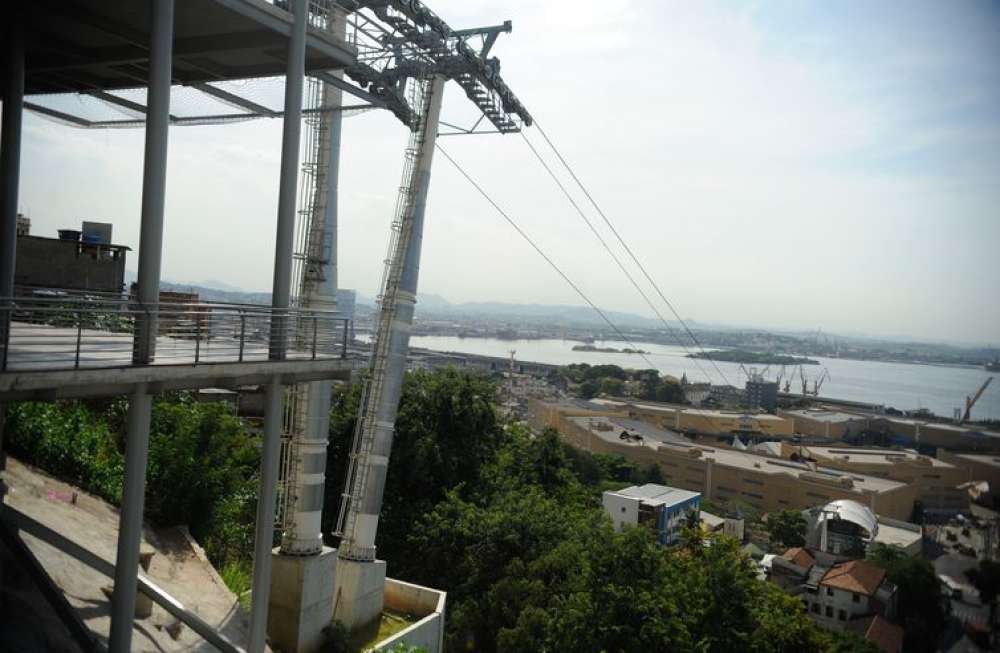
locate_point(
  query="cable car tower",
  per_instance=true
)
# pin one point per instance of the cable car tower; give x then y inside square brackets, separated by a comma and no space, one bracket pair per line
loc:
[406,54]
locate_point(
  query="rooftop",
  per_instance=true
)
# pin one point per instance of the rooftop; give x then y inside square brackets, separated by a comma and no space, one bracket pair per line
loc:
[765,465]
[799,556]
[821,415]
[671,408]
[884,634]
[658,495]
[855,576]
[873,456]
[981,458]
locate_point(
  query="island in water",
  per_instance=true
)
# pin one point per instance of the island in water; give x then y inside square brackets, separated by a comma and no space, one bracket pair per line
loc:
[608,350]
[752,357]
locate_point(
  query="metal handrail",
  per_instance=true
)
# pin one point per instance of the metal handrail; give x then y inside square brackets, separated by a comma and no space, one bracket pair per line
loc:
[69,333]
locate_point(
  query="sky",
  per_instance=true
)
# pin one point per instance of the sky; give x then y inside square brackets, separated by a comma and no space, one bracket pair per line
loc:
[772,164]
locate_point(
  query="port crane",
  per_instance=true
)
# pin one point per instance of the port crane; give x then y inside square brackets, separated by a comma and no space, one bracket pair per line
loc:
[971,401]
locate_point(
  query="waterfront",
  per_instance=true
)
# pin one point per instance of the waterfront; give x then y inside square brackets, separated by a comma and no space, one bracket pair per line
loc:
[900,385]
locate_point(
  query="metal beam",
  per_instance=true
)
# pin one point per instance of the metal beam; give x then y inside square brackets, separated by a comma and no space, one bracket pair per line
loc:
[349,88]
[10,151]
[52,113]
[232,98]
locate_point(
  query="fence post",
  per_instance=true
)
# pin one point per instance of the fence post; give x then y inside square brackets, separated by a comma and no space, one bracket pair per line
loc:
[243,331]
[197,337]
[79,337]
[5,323]
[343,344]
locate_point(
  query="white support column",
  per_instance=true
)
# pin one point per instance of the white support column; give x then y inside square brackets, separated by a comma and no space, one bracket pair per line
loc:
[130,521]
[154,182]
[264,533]
[288,182]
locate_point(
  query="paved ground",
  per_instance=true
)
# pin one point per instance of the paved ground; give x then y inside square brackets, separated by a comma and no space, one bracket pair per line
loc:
[43,347]
[178,566]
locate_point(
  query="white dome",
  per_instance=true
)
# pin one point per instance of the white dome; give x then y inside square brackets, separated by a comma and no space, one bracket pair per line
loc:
[851,511]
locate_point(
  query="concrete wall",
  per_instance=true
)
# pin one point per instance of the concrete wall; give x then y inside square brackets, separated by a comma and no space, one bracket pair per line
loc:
[412,599]
[624,511]
[53,263]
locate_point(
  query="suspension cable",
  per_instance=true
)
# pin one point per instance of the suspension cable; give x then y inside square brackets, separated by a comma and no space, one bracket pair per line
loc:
[541,253]
[628,249]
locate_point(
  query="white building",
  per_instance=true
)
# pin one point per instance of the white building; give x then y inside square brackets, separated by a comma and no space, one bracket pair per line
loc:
[664,508]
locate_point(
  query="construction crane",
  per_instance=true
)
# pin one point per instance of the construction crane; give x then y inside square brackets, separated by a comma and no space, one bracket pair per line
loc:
[971,401]
[818,383]
[411,57]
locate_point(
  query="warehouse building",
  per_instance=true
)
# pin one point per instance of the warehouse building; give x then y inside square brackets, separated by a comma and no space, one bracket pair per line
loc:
[704,422]
[729,475]
[937,481]
[823,423]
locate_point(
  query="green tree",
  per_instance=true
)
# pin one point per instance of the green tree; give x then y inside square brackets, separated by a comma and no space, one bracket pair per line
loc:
[446,430]
[588,389]
[612,386]
[919,608]
[787,528]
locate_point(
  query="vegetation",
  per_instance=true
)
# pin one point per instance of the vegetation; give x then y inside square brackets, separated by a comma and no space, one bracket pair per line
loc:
[919,610]
[752,357]
[786,529]
[592,380]
[202,466]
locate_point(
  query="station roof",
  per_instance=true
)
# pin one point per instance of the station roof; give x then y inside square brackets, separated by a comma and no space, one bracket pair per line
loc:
[101,45]
[658,495]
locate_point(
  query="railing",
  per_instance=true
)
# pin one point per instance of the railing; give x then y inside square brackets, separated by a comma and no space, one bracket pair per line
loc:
[67,332]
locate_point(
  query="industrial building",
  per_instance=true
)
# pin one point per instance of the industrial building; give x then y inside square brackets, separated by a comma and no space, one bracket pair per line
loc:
[704,422]
[824,423]
[937,481]
[83,259]
[664,509]
[725,474]
[846,527]
[762,394]
[975,467]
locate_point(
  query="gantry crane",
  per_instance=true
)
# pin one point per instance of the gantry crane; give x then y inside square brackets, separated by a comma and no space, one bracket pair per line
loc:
[971,401]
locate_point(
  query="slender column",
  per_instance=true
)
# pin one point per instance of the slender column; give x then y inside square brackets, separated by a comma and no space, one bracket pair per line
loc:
[10,151]
[10,172]
[264,534]
[154,177]
[154,180]
[130,521]
[292,127]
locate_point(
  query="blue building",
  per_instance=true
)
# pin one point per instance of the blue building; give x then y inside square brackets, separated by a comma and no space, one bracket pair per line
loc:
[664,508]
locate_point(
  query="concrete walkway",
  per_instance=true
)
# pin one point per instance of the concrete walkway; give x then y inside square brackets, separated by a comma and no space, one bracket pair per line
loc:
[178,565]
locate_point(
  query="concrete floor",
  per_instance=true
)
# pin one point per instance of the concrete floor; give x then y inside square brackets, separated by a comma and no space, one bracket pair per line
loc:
[43,347]
[178,565]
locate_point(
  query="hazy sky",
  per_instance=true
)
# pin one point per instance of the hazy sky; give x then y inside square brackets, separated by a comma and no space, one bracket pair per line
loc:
[796,164]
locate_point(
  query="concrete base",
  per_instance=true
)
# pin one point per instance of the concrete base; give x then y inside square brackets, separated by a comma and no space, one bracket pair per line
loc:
[366,581]
[301,604]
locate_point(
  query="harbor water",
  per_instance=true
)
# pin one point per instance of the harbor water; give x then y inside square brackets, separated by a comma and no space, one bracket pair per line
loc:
[903,386]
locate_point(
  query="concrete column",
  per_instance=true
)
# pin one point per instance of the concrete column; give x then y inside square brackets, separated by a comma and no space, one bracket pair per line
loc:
[288,183]
[130,521]
[154,177]
[10,151]
[264,533]
[312,432]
